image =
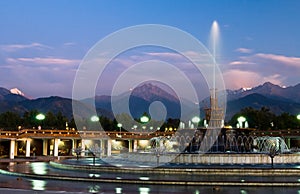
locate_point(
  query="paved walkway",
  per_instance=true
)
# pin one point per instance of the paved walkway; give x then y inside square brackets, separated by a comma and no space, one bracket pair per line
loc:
[34,159]
[101,182]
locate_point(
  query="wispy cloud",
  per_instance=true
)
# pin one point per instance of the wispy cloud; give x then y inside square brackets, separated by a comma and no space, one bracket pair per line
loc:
[241,63]
[260,60]
[15,47]
[69,44]
[293,61]
[236,78]
[39,80]
[43,61]
[244,50]
[169,55]
[248,38]
[257,68]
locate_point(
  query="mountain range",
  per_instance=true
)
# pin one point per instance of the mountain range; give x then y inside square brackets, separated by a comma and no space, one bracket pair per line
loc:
[277,99]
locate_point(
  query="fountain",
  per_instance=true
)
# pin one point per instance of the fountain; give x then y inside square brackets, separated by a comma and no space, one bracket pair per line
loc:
[190,157]
[212,144]
[158,147]
[229,148]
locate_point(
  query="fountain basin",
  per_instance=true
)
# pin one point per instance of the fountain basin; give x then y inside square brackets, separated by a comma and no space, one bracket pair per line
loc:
[183,170]
[214,158]
[180,174]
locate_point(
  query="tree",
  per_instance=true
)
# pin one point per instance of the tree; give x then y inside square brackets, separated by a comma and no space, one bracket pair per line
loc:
[61,121]
[10,120]
[106,123]
[286,121]
[50,120]
[29,119]
[261,119]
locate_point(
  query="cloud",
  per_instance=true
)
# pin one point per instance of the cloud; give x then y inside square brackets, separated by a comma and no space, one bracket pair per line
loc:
[244,50]
[69,44]
[261,67]
[15,47]
[293,61]
[39,80]
[267,63]
[241,63]
[275,79]
[171,55]
[248,38]
[47,60]
[236,79]
[127,60]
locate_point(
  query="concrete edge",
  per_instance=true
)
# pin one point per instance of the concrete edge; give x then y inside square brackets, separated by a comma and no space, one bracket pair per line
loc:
[157,182]
[196,171]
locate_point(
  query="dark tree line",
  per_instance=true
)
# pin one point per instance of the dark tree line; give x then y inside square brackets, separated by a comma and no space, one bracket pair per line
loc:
[264,119]
[13,121]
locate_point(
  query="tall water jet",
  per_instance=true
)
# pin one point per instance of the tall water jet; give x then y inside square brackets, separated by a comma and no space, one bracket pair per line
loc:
[214,114]
[214,40]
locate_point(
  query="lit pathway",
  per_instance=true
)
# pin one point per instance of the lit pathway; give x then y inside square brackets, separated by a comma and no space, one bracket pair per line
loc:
[45,181]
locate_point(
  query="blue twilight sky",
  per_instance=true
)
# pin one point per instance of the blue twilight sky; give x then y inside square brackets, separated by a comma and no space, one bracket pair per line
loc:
[43,42]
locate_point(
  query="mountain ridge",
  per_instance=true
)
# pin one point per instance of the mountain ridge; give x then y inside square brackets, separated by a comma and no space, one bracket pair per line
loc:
[291,93]
[277,99]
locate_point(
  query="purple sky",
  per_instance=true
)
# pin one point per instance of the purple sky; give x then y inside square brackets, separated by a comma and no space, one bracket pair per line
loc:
[43,42]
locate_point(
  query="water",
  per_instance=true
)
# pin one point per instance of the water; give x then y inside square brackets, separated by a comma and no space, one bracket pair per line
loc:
[17,184]
[10,185]
[215,34]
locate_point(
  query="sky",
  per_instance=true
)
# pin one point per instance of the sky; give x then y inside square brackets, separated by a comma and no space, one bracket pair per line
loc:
[42,43]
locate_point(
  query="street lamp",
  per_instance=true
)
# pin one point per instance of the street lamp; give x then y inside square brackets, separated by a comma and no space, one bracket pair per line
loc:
[40,117]
[93,122]
[144,119]
[94,118]
[120,126]
[298,117]
[240,120]
[196,120]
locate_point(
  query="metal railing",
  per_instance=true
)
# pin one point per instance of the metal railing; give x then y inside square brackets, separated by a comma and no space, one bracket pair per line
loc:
[74,134]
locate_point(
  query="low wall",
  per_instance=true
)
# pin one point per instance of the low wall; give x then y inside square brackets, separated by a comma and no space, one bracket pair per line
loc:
[226,158]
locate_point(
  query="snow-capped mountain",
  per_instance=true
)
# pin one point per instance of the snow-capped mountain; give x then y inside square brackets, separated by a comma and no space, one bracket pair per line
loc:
[16,91]
[278,99]
[291,93]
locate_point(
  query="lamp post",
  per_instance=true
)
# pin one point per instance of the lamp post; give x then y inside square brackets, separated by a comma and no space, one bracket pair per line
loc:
[40,117]
[144,119]
[94,118]
[196,121]
[241,120]
[93,122]
[120,126]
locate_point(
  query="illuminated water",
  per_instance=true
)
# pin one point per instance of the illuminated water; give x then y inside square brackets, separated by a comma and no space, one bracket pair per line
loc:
[9,184]
[23,184]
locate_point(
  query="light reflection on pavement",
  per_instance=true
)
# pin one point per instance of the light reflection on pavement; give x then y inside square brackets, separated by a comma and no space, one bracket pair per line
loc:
[11,184]
[16,184]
